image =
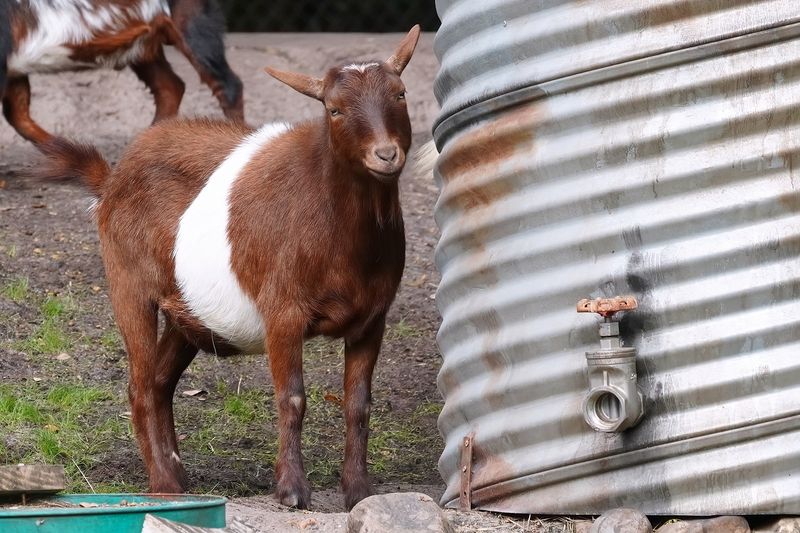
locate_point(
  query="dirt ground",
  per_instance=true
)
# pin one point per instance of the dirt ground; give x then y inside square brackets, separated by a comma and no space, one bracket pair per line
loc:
[63,370]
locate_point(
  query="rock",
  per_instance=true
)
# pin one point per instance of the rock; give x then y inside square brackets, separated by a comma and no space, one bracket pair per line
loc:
[721,524]
[407,512]
[780,525]
[622,520]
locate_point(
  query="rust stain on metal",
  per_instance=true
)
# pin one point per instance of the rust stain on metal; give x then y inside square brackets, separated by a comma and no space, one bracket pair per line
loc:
[465,496]
[484,149]
[488,470]
[607,306]
[675,12]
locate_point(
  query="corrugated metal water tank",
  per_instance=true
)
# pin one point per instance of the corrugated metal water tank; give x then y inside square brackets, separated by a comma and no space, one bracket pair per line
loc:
[613,147]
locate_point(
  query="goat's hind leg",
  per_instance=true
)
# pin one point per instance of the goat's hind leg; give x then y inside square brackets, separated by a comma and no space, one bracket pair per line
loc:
[201,26]
[17,110]
[6,43]
[175,354]
[167,88]
[155,368]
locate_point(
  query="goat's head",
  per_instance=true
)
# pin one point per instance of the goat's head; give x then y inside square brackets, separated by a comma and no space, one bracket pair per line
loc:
[366,110]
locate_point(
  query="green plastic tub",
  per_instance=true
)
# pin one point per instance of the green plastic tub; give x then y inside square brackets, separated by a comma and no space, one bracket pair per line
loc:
[115,513]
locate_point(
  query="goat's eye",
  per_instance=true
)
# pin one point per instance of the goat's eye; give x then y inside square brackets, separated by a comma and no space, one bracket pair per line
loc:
[335,112]
[401,95]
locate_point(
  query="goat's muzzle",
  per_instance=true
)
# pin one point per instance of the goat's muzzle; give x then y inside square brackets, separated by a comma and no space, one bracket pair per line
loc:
[385,162]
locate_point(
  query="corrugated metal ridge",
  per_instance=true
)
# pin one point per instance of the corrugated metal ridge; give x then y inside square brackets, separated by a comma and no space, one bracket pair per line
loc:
[483,495]
[450,119]
[472,375]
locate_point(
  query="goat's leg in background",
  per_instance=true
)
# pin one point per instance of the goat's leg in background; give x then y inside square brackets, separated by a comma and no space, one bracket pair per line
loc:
[285,353]
[5,43]
[167,88]
[17,110]
[201,23]
[360,356]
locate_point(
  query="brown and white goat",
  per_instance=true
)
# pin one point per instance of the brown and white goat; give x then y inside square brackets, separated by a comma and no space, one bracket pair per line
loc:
[247,240]
[51,36]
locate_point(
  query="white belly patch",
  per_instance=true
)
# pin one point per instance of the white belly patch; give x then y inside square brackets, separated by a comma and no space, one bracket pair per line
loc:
[202,253]
[71,22]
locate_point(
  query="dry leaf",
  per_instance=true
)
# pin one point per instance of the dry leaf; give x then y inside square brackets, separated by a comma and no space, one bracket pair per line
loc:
[333,399]
[198,394]
[88,504]
[308,522]
[419,281]
[37,380]
[63,356]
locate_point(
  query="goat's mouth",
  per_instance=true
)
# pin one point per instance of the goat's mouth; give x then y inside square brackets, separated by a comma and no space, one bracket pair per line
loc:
[383,170]
[384,175]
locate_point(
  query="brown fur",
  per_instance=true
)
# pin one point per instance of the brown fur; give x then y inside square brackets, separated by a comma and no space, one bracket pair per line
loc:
[317,242]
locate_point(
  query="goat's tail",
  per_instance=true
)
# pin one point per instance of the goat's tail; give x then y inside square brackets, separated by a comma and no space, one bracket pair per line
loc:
[67,160]
[424,159]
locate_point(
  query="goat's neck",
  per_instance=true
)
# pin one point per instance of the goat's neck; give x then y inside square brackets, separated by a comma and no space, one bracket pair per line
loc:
[362,197]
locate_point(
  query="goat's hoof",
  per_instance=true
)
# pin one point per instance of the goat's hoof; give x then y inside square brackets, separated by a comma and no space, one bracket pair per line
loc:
[297,497]
[168,488]
[356,493]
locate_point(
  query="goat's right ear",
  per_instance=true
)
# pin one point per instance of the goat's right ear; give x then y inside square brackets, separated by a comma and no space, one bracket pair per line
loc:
[402,55]
[307,85]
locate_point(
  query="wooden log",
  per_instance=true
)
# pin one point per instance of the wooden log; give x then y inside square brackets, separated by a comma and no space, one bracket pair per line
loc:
[31,479]
[156,524]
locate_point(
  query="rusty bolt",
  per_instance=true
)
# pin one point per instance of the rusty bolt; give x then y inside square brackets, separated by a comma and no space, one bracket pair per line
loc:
[606,307]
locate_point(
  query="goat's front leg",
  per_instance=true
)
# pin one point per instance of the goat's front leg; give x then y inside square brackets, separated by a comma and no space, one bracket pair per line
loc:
[285,352]
[17,110]
[360,356]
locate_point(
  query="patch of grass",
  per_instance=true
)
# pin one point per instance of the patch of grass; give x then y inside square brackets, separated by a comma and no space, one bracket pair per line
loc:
[50,336]
[53,308]
[16,290]
[65,424]
[231,430]
[238,408]
[111,340]
[428,409]
[75,398]
[402,330]
[47,442]
[115,487]
[14,410]
[397,443]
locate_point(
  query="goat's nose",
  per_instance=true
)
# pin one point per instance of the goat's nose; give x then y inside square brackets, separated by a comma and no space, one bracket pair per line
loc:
[387,152]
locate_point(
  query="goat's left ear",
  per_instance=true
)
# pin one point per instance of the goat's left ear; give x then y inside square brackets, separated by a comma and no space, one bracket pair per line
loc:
[307,85]
[402,55]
